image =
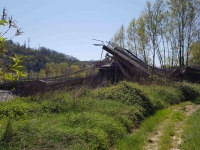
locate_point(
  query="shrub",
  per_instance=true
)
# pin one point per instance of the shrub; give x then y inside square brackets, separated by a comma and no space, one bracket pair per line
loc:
[113,128]
[125,93]
[188,91]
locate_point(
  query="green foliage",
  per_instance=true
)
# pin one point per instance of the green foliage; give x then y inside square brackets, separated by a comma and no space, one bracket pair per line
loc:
[14,71]
[85,119]
[3,22]
[43,61]
[18,109]
[162,96]
[125,93]
[119,37]
[168,131]
[166,29]
[195,53]
[165,96]
[2,45]
[109,125]
[137,141]
[15,67]
[37,59]
[188,91]
[8,133]
[191,133]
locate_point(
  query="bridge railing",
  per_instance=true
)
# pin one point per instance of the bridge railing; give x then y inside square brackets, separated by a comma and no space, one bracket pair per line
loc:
[126,52]
[65,77]
[137,59]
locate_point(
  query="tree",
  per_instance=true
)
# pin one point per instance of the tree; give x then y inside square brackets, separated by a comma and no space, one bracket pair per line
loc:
[153,16]
[8,22]
[132,36]
[183,16]
[171,41]
[119,37]
[165,30]
[143,39]
[194,59]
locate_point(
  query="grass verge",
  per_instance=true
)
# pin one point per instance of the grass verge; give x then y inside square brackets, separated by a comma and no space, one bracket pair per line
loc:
[191,133]
[136,141]
[168,132]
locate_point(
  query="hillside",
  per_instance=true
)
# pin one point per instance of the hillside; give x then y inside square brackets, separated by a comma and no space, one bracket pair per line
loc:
[36,60]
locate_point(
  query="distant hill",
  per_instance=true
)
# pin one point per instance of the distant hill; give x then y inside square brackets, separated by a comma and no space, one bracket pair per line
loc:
[35,59]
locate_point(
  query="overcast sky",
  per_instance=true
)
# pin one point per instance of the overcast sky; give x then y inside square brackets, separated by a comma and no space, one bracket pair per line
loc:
[68,26]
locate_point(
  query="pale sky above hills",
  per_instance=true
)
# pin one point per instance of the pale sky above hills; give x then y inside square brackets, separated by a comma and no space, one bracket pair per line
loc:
[68,26]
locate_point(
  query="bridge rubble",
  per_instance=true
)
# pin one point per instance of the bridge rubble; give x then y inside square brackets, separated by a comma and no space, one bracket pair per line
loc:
[121,65]
[134,68]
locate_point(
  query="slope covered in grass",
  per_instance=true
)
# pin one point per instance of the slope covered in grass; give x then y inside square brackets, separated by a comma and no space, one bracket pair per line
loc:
[82,118]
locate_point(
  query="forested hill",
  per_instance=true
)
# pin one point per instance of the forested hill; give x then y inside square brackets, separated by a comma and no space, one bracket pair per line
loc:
[36,60]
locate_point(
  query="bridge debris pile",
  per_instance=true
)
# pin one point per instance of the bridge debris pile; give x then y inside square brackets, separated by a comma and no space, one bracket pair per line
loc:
[132,67]
[122,65]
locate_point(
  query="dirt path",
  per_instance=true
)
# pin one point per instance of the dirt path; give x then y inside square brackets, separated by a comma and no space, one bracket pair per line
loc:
[187,110]
[154,138]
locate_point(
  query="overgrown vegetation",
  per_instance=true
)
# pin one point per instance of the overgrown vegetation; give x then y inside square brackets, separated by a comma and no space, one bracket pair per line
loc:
[191,133]
[137,141]
[83,118]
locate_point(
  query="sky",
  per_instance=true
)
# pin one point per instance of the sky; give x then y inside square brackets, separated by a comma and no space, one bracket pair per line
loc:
[68,26]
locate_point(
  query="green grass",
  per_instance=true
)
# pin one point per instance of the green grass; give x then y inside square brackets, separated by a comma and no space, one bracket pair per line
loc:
[136,141]
[166,138]
[52,130]
[91,128]
[191,134]
[86,119]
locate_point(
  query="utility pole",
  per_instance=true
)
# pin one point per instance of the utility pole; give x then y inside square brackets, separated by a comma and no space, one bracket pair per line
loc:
[24,44]
[28,42]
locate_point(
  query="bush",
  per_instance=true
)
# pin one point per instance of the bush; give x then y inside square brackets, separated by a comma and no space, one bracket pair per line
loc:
[188,91]
[19,108]
[113,128]
[126,93]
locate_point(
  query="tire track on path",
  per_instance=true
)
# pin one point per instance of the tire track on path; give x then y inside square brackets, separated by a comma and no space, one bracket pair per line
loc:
[177,140]
[154,137]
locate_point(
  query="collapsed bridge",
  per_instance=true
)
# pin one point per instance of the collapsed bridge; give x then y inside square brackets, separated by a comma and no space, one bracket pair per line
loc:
[133,68]
[129,64]
[123,65]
